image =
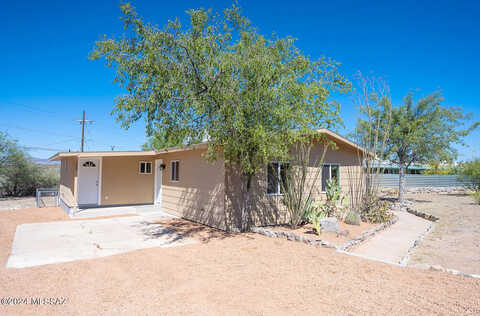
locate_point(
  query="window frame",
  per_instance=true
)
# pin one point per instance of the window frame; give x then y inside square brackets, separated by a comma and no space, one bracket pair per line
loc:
[279,176]
[330,173]
[172,171]
[140,167]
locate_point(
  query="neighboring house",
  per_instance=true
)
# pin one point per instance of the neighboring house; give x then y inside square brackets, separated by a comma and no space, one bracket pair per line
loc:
[181,182]
[388,167]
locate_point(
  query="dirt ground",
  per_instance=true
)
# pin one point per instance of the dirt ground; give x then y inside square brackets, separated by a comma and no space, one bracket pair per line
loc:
[455,240]
[349,232]
[226,275]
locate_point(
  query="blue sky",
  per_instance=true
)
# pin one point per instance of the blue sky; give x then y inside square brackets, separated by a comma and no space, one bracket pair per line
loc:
[47,79]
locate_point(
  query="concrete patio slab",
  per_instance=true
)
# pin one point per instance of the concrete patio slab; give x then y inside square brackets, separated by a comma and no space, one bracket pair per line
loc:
[54,242]
[393,244]
[144,210]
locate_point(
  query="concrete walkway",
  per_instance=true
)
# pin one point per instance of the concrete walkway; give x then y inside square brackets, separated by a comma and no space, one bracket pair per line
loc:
[393,244]
[53,242]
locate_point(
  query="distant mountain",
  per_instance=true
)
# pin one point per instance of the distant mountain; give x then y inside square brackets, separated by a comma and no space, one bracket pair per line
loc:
[43,161]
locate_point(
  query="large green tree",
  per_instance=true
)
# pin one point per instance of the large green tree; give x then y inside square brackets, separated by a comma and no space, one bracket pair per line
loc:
[217,79]
[423,131]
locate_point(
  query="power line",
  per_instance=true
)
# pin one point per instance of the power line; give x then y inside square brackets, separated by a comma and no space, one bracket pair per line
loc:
[41,148]
[36,130]
[33,109]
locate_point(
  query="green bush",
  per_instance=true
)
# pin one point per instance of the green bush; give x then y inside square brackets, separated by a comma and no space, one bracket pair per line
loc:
[19,176]
[336,204]
[470,173]
[476,197]
[378,212]
[353,218]
[313,214]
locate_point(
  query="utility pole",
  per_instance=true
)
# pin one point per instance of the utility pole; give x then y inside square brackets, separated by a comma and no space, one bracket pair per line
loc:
[82,121]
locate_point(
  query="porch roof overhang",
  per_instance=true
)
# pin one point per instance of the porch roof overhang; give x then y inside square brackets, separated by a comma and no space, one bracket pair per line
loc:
[345,141]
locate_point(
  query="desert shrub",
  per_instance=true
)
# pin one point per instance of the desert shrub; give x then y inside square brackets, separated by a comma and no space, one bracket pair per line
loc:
[298,182]
[19,176]
[378,211]
[470,174]
[352,218]
[476,196]
[392,192]
[336,203]
[313,214]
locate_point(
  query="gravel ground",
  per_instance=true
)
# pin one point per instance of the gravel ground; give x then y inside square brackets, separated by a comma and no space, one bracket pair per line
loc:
[455,241]
[225,274]
[8,204]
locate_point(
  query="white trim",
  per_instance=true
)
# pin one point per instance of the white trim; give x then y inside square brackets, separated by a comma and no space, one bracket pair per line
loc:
[99,186]
[140,168]
[157,194]
[171,170]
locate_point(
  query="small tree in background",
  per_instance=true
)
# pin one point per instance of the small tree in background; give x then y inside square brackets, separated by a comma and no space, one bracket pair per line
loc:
[372,96]
[470,174]
[217,77]
[423,131]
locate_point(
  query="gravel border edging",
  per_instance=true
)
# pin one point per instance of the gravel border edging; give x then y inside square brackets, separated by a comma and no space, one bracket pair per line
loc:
[323,243]
[431,267]
[292,236]
[428,217]
[416,243]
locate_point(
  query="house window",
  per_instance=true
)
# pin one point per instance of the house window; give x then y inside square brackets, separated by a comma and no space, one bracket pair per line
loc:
[175,170]
[145,167]
[330,172]
[276,171]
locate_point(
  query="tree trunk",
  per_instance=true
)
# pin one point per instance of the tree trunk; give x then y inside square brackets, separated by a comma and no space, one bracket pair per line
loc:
[401,185]
[245,221]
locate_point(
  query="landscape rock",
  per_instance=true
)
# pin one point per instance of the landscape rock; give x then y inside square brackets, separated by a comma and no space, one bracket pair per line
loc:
[329,224]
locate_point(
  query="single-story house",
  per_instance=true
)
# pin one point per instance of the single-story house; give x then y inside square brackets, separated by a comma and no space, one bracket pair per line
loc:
[181,182]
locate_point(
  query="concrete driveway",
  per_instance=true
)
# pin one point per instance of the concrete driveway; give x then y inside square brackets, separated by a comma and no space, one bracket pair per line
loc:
[53,242]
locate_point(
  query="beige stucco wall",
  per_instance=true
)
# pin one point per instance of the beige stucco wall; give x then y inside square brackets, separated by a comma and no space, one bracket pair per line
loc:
[68,181]
[269,209]
[199,194]
[123,184]
[207,193]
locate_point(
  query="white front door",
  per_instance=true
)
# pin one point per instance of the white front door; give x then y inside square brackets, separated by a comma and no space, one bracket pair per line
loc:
[88,181]
[158,182]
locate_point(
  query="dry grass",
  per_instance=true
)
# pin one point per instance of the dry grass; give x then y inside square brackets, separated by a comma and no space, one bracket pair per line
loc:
[244,274]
